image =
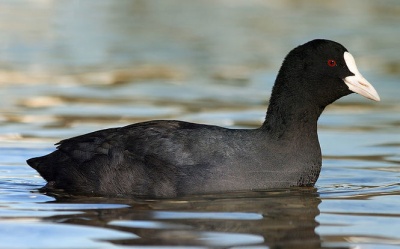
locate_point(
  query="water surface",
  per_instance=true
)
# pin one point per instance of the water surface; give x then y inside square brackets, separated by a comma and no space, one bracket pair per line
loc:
[87,65]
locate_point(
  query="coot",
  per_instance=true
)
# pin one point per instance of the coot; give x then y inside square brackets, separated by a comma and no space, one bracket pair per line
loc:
[168,158]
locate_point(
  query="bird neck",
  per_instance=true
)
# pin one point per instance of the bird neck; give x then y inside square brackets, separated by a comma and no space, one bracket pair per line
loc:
[291,115]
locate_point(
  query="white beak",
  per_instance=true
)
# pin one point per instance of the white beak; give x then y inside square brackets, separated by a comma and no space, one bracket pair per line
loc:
[357,83]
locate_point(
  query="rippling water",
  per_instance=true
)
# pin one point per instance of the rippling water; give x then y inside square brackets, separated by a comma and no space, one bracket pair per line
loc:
[70,67]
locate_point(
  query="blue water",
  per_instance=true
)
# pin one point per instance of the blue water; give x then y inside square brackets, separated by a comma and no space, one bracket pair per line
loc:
[70,67]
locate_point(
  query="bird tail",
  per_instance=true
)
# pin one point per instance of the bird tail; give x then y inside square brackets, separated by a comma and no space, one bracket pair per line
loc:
[47,165]
[41,165]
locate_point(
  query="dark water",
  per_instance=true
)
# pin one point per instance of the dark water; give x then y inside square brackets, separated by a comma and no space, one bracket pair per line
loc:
[70,67]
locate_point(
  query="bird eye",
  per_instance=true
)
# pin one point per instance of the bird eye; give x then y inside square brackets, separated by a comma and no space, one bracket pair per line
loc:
[331,63]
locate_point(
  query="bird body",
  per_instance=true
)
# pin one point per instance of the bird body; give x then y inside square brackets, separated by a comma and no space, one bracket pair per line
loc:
[168,158]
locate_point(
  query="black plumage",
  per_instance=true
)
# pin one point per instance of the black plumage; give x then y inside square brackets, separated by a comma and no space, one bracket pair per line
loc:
[173,158]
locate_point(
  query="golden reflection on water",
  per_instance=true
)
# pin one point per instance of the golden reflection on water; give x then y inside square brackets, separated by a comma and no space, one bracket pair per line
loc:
[100,77]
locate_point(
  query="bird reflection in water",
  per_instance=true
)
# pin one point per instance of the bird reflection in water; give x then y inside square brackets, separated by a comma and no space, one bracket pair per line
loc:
[287,219]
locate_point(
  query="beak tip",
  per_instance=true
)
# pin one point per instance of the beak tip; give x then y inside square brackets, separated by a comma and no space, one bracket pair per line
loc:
[374,97]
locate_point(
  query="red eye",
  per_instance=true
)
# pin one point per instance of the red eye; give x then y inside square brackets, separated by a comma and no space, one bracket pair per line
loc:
[331,63]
